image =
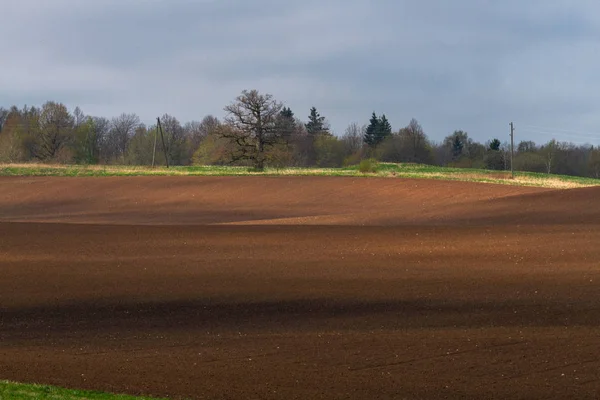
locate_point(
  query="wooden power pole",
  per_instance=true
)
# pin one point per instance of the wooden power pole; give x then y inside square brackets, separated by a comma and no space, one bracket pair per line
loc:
[154,149]
[512,149]
[162,138]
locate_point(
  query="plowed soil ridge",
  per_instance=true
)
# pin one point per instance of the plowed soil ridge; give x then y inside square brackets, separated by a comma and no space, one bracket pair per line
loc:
[300,287]
[284,200]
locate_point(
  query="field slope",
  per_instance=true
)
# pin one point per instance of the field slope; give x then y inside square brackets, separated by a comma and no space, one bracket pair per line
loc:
[282,287]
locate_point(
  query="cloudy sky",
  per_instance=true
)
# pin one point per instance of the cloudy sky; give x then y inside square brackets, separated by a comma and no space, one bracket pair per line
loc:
[473,65]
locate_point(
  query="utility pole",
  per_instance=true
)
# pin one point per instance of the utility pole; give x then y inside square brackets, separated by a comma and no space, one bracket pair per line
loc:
[162,138]
[154,150]
[512,148]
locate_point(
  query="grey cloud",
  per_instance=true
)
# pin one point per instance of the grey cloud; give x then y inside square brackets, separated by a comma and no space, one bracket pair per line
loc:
[471,64]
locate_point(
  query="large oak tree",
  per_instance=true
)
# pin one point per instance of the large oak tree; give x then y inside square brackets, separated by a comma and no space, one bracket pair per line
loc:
[252,127]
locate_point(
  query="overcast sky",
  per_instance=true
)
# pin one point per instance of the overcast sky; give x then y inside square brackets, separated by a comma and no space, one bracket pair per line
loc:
[473,65]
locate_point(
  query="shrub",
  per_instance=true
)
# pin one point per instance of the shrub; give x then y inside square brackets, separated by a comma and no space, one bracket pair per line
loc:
[368,166]
[212,150]
[494,160]
[353,159]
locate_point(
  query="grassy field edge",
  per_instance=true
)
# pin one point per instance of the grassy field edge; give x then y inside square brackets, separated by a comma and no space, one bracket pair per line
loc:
[384,170]
[18,391]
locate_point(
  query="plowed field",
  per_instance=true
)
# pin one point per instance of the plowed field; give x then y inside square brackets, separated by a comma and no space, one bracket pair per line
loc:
[300,287]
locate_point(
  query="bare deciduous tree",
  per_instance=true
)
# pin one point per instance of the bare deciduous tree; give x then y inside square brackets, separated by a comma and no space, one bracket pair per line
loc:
[415,144]
[594,163]
[24,126]
[140,148]
[101,127]
[198,131]
[253,122]
[3,116]
[99,131]
[410,144]
[526,147]
[122,129]
[11,143]
[78,117]
[174,137]
[549,151]
[353,137]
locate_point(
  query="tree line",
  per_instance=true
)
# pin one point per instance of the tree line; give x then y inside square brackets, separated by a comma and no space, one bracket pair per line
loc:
[258,131]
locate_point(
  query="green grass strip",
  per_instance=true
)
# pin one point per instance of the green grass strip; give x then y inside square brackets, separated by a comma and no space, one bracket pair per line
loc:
[384,170]
[20,391]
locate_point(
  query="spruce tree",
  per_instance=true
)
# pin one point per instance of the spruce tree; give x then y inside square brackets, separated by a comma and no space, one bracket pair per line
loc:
[287,112]
[370,137]
[495,145]
[457,147]
[286,124]
[316,123]
[385,129]
[379,128]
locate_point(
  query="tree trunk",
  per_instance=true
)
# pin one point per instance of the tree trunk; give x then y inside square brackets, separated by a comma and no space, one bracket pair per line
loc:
[260,159]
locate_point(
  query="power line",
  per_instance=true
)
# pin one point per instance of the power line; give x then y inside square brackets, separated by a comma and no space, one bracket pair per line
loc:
[541,129]
[564,135]
[558,134]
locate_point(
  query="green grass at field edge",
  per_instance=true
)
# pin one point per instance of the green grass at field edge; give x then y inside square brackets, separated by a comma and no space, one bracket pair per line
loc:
[21,391]
[389,170]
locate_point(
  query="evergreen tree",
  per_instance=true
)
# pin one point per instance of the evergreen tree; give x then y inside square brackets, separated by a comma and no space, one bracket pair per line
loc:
[287,112]
[494,159]
[385,128]
[379,128]
[495,145]
[316,123]
[458,144]
[457,147]
[372,131]
[286,124]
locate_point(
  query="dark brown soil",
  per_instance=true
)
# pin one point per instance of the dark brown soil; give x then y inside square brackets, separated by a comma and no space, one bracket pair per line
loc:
[300,288]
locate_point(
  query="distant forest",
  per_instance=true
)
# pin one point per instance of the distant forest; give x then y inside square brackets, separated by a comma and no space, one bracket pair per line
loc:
[259,131]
